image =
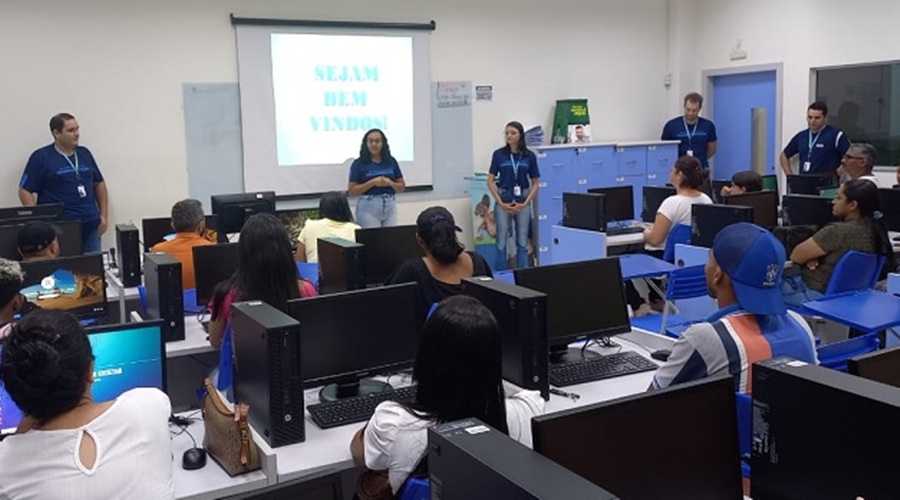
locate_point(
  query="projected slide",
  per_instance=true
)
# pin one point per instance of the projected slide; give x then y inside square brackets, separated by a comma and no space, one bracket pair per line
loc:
[330,89]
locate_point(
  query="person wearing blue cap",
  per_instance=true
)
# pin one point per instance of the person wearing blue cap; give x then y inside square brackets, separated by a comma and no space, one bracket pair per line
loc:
[753,324]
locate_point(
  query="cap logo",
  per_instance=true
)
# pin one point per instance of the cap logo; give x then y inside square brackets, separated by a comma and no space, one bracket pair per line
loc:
[771,275]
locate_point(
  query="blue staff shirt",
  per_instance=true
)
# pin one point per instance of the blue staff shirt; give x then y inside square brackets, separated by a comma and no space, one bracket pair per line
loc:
[362,172]
[693,137]
[52,176]
[830,146]
[507,176]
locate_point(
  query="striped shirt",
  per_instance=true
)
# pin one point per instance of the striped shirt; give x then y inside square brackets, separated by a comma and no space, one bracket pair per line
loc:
[731,341]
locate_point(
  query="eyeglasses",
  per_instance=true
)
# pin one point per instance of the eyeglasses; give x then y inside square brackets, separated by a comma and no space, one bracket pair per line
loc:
[851,157]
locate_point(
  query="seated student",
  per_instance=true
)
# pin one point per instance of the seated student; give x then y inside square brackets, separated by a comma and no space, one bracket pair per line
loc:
[860,229]
[745,181]
[11,300]
[858,162]
[189,225]
[38,240]
[67,445]
[458,373]
[336,220]
[752,324]
[440,272]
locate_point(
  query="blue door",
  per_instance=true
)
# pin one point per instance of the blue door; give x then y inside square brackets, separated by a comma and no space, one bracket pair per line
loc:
[735,96]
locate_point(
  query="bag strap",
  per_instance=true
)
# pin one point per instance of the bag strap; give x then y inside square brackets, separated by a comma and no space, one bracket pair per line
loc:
[240,416]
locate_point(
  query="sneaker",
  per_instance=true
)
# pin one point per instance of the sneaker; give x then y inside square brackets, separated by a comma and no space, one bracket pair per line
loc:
[644,310]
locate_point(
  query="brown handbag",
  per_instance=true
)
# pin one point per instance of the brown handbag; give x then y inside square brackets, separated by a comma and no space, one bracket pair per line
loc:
[227,437]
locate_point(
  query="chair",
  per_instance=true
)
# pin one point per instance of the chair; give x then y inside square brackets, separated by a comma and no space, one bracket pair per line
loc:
[855,271]
[681,233]
[415,489]
[745,430]
[836,354]
[684,283]
[309,271]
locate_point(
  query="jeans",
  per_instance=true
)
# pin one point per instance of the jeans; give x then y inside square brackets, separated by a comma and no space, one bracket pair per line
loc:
[504,220]
[795,291]
[89,237]
[379,210]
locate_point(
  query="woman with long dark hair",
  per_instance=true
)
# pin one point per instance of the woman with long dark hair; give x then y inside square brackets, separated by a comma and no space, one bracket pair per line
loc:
[335,220]
[513,182]
[860,229]
[458,375]
[375,176]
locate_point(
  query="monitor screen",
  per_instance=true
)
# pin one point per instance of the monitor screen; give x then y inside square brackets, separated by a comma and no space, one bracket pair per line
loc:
[708,220]
[809,184]
[15,215]
[653,198]
[584,211]
[70,243]
[803,210]
[295,219]
[881,366]
[234,209]
[619,202]
[125,357]
[74,284]
[770,182]
[159,229]
[615,443]
[385,248]
[763,203]
[717,185]
[213,264]
[349,335]
[583,299]
[889,199]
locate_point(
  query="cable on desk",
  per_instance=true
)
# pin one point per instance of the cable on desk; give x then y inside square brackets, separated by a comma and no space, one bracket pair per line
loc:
[183,423]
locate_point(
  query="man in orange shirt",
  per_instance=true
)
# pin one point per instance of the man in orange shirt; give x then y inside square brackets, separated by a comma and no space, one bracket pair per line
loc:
[189,224]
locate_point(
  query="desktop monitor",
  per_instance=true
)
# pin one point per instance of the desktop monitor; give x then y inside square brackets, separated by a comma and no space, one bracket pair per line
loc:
[126,356]
[619,202]
[763,203]
[830,192]
[70,242]
[770,182]
[806,210]
[213,264]
[717,185]
[621,446]
[820,433]
[881,366]
[346,337]
[584,300]
[708,220]
[234,209]
[74,284]
[294,219]
[584,211]
[384,248]
[889,199]
[16,215]
[809,183]
[653,198]
[159,229]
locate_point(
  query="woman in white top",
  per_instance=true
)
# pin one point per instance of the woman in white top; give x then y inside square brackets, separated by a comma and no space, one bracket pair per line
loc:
[458,373]
[336,220]
[67,445]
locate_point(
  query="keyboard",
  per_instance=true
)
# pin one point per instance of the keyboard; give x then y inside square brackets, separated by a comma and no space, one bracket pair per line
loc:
[618,230]
[356,409]
[606,366]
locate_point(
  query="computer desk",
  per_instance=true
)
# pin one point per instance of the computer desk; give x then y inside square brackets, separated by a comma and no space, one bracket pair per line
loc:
[196,340]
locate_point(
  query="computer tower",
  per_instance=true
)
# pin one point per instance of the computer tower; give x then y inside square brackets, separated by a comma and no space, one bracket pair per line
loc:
[129,250]
[165,297]
[522,314]
[820,433]
[340,265]
[584,211]
[266,345]
[468,460]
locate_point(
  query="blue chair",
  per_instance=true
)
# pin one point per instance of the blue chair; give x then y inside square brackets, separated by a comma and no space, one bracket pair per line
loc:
[415,489]
[855,271]
[309,271]
[505,276]
[681,233]
[189,297]
[684,283]
[745,430]
[836,354]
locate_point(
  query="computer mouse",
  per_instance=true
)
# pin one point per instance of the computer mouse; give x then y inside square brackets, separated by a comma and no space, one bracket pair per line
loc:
[661,354]
[193,458]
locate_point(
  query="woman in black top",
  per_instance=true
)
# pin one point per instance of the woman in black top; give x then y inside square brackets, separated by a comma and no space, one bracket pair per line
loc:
[440,272]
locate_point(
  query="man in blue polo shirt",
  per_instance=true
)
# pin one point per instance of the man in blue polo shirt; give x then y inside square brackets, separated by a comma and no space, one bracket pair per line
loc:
[820,147]
[64,172]
[697,135]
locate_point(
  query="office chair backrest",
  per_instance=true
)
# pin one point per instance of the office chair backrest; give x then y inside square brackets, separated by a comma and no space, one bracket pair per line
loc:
[855,271]
[681,233]
[686,283]
[836,354]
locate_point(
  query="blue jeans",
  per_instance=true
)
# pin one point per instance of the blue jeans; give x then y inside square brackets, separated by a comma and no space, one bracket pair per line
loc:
[795,291]
[379,210]
[504,220]
[89,237]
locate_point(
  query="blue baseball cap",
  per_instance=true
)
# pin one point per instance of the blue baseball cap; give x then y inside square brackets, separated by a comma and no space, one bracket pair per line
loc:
[754,260]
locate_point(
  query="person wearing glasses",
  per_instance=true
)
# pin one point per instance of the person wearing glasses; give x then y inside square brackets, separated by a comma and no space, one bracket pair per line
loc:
[375,177]
[858,163]
[819,147]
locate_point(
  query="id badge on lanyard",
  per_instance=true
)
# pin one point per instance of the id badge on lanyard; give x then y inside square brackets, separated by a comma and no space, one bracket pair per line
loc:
[517,189]
[80,189]
[807,165]
[690,136]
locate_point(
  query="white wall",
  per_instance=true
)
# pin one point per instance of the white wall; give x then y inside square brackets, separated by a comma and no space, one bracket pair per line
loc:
[119,67]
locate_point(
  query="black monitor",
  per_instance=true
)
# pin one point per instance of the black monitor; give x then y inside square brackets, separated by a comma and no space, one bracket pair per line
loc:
[621,446]
[346,337]
[708,220]
[213,264]
[584,300]
[15,215]
[806,210]
[889,199]
[74,284]
[384,248]
[881,366]
[717,185]
[820,433]
[763,203]
[234,209]
[159,229]
[70,239]
[619,202]
[294,219]
[584,211]
[653,198]
[809,183]
[126,356]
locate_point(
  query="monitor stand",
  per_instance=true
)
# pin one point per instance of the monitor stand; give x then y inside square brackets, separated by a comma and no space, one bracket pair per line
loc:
[360,387]
[561,355]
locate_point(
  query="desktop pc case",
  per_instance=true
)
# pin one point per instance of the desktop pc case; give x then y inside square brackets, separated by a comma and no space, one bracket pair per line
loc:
[467,460]
[129,249]
[165,297]
[522,314]
[340,265]
[266,345]
[819,433]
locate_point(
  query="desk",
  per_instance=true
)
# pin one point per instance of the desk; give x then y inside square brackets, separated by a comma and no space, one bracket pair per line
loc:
[195,341]
[867,310]
[625,240]
[640,265]
[116,291]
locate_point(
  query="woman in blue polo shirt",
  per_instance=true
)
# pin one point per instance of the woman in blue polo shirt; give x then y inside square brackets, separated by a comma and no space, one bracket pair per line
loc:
[375,176]
[512,180]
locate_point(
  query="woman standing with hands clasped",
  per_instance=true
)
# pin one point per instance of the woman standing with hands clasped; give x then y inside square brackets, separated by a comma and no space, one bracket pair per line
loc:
[375,176]
[512,180]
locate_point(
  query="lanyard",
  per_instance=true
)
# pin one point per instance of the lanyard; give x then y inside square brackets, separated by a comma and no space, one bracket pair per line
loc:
[515,166]
[690,133]
[73,165]
[813,141]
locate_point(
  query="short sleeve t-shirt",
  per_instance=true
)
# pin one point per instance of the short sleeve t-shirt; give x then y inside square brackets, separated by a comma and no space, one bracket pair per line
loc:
[694,138]
[511,170]
[677,209]
[836,239]
[828,148]
[362,172]
[55,179]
